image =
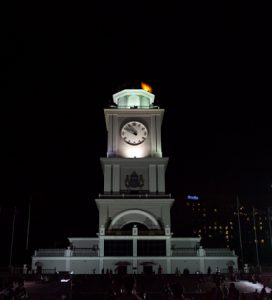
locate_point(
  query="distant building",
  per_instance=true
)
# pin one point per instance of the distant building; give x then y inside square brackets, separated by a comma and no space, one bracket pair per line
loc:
[134,231]
[218,225]
[214,223]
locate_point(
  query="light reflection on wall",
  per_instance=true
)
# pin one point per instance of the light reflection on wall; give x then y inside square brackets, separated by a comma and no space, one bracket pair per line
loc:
[138,151]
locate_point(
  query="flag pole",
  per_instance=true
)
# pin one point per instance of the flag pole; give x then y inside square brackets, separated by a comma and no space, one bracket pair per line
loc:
[28,225]
[269,215]
[255,237]
[28,228]
[12,237]
[239,227]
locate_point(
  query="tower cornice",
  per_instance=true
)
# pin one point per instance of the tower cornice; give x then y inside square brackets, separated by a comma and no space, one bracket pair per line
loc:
[132,112]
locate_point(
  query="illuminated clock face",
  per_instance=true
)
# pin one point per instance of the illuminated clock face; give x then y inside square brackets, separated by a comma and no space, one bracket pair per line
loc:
[134,133]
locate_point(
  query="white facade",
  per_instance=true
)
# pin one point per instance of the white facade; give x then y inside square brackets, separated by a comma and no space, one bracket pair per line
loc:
[134,210]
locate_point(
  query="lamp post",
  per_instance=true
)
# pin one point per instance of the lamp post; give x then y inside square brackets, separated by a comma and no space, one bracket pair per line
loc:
[256,240]
[240,235]
[27,232]
[12,237]
[71,285]
[269,215]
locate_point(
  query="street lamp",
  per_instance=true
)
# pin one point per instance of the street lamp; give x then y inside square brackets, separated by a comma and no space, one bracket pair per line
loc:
[255,237]
[71,285]
[269,215]
[239,227]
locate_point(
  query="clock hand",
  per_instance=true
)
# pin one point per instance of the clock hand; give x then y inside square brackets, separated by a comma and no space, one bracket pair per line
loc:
[134,131]
[131,129]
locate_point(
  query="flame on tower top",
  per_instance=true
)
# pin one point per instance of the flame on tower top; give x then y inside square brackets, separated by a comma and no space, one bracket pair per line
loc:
[146,87]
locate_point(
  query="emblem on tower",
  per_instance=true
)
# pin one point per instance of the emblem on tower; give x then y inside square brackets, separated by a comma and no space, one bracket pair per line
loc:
[134,180]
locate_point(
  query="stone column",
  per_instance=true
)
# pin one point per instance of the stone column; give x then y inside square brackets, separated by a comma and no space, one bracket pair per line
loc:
[107,178]
[152,179]
[116,179]
[161,179]
[158,136]
[202,253]
[101,253]
[68,254]
[153,137]
[110,137]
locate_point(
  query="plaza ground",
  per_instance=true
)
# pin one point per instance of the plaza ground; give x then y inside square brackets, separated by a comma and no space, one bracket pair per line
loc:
[96,287]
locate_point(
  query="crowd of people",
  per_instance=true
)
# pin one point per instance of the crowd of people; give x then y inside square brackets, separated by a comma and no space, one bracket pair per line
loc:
[127,290]
[133,287]
[14,290]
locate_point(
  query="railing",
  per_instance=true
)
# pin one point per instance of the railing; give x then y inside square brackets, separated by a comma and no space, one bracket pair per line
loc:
[184,252]
[218,252]
[50,252]
[118,232]
[140,232]
[66,252]
[49,271]
[84,252]
[94,252]
[151,232]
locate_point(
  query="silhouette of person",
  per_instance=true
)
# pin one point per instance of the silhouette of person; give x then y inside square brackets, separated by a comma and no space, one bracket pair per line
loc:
[129,285]
[115,290]
[20,291]
[263,293]
[225,291]
[177,291]
[8,291]
[234,293]
[217,293]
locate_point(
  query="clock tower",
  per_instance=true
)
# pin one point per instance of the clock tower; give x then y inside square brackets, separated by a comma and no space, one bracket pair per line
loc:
[134,169]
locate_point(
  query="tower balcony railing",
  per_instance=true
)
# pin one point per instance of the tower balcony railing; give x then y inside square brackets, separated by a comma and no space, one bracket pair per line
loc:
[140,232]
[134,107]
[118,232]
[131,195]
[151,232]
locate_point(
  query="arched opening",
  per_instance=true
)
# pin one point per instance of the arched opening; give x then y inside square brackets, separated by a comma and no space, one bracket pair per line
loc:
[127,218]
[129,226]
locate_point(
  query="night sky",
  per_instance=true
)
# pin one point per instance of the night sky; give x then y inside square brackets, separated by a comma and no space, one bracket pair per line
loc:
[207,65]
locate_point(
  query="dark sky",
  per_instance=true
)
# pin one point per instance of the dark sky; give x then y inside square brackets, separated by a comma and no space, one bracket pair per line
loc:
[207,65]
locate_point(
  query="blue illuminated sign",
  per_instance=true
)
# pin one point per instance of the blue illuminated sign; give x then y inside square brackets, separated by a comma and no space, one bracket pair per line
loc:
[192,198]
